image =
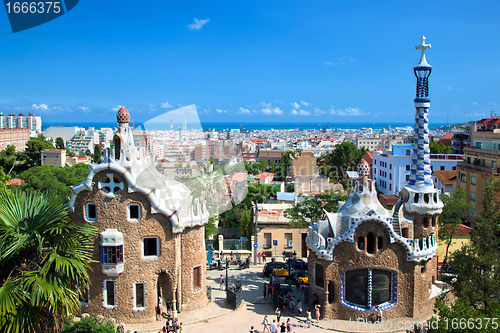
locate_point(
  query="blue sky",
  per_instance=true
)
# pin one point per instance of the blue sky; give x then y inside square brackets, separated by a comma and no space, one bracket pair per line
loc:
[247,61]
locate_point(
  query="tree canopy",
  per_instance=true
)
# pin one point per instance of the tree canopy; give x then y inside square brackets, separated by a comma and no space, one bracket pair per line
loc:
[311,208]
[54,178]
[345,157]
[439,148]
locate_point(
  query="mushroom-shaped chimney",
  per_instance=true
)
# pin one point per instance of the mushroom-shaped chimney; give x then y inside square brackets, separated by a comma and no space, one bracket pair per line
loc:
[122,117]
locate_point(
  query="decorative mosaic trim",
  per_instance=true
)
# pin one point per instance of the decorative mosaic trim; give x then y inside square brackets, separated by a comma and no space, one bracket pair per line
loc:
[384,306]
[140,309]
[315,241]
[105,295]
[198,289]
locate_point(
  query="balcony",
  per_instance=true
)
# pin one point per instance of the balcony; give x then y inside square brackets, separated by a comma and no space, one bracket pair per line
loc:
[460,131]
[493,172]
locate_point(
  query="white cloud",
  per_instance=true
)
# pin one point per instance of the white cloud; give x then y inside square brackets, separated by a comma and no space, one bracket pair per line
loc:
[348,112]
[166,105]
[221,111]
[197,24]
[116,108]
[243,111]
[300,113]
[40,106]
[266,105]
[305,103]
[84,108]
[477,114]
[275,110]
[474,103]
[329,63]
[318,111]
[295,105]
[280,102]
[345,58]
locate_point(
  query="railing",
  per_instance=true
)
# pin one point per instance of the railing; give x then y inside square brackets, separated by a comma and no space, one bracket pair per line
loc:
[236,244]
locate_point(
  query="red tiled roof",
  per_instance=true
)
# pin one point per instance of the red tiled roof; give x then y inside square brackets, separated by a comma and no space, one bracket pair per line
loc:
[461,229]
[368,157]
[446,136]
[489,121]
[446,177]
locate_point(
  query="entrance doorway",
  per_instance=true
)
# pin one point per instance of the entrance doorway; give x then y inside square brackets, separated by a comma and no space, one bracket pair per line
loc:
[164,290]
[304,246]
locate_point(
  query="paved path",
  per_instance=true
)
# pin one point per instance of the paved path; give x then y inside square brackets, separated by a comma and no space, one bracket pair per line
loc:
[217,317]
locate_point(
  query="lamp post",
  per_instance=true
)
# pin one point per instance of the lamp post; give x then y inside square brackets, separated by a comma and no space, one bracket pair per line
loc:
[227,268]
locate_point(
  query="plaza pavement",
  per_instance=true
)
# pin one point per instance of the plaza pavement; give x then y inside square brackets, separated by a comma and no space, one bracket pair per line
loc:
[217,317]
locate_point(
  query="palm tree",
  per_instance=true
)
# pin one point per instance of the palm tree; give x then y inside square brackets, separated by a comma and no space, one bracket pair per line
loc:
[44,261]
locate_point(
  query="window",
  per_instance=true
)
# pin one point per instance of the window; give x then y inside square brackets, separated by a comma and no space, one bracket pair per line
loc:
[472,212]
[473,180]
[390,166]
[486,180]
[288,240]
[425,222]
[494,165]
[111,254]
[361,242]
[390,176]
[390,187]
[267,240]
[91,212]
[380,242]
[370,243]
[472,196]
[462,177]
[375,162]
[441,167]
[134,212]
[139,295]
[319,276]
[150,247]
[197,277]
[407,152]
[109,293]
[407,177]
[405,232]
[367,290]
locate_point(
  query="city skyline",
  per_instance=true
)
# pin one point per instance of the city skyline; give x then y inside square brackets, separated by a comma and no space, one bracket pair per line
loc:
[259,62]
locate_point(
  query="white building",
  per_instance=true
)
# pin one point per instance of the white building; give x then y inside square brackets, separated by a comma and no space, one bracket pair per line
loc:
[391,169]
[31,122]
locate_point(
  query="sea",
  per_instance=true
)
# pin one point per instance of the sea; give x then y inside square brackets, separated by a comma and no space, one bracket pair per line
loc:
[222,126]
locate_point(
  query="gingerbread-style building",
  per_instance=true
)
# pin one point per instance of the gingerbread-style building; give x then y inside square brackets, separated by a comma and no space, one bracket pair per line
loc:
[150,240]
[365,255]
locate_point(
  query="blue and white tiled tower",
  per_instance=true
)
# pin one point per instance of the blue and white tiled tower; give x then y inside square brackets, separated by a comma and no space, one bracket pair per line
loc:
[420,193]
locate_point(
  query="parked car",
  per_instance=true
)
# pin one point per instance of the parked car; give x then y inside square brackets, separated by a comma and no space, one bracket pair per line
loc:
[297,264]
[268,268]
[296,277]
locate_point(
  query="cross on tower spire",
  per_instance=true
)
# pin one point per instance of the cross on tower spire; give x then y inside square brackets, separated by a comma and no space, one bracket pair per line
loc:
[423,62]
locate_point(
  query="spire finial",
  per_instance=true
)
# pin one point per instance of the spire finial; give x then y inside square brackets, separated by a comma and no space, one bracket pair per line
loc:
[423,47]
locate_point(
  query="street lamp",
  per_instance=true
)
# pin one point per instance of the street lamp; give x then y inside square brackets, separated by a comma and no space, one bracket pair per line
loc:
[227,268]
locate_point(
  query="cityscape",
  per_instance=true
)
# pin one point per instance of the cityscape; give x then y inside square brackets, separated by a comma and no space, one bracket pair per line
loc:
[213,209]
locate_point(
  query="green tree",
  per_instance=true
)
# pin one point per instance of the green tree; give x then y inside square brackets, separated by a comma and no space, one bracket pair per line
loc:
[345,157]
[88,153]
[97,156]
[290,187]
[312,208]
[48,177]
[3,180]
[34,146]
[59,143]
[439,148]
[44,262]
[455,204]
[70,153]
[476,263]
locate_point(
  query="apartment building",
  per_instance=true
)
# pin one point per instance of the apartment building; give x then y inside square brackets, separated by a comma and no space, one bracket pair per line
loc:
[31,122]
[269,155]
[54,157]
[14,136]
[392,169]
[378,143]
[302,166]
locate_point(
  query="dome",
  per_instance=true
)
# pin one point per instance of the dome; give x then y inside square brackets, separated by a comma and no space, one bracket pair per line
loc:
[363,168]
[122,117]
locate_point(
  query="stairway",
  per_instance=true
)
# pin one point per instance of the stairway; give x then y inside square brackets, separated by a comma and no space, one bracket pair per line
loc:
[395,219]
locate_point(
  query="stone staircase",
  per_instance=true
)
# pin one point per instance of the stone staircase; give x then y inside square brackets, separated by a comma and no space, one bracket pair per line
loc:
[395,218]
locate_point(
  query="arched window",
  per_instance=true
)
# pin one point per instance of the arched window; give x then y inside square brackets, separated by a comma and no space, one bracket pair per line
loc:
[361,243]
[368,287]
[416,197]
[434,221]
[331,292]
[319,276]
[425,222]
[370,243]
[118,147]
[380,242]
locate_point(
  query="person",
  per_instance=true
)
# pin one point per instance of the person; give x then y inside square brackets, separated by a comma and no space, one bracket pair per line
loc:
[274,328]
[160,309]
[309,318]
[169,307]
[316,309]
[278,314]
[270,289]
[252,330]
[175,325]
[265,322]
[283,327]
[169,325]
[299,308]
[264,257]
[264,289]
[259,256]
[379,313]
[289,326]
[221,281]
[181,328]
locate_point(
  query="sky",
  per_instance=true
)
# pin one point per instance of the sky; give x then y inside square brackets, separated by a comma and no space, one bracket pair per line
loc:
[254,61]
